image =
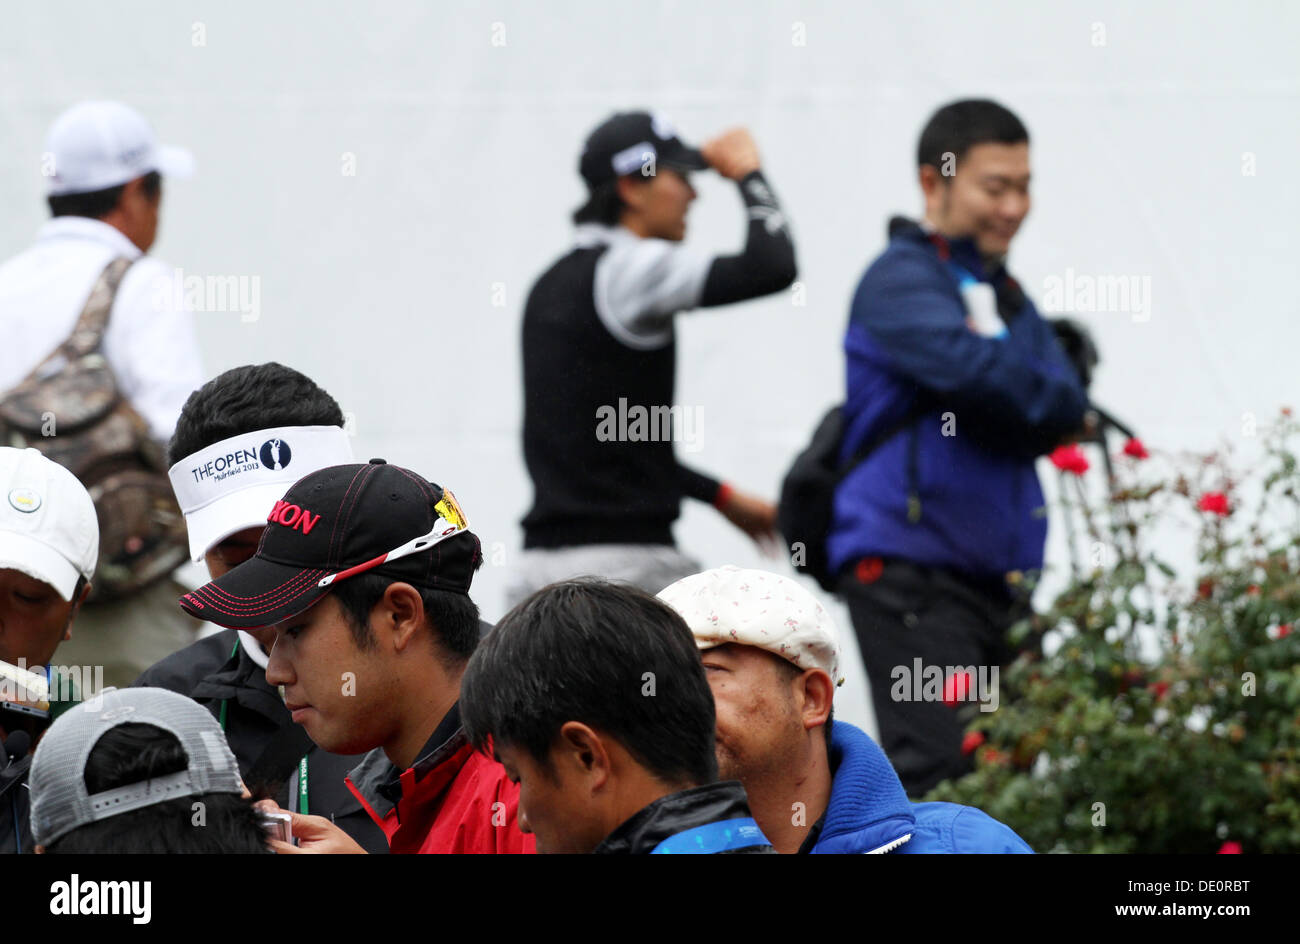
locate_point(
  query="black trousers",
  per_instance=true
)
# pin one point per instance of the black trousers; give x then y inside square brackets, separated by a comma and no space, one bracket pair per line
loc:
[901,612]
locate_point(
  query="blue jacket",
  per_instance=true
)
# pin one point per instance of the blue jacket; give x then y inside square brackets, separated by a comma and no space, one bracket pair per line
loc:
[869,812]
[1011,398]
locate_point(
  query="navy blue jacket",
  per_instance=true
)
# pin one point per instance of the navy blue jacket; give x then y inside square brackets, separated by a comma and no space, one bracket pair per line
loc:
[1011,398]
[870,812]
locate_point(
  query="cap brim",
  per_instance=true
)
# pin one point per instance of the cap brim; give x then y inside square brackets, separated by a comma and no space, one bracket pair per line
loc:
[38,561]
[684,158]
[256,593]
[214,522]
[174,162]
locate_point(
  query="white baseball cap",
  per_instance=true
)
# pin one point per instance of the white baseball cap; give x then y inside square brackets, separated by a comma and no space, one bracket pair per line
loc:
[97,145]
[48,528]
[755,608]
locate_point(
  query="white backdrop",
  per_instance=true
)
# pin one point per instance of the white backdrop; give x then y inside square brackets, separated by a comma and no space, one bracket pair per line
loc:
[388,173]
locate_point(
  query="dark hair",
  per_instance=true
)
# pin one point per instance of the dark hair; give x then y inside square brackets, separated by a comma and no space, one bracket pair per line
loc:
[607,655]
[130,753]
[97,204]
[604,205]
[959,126]
[453,616]
[246,399]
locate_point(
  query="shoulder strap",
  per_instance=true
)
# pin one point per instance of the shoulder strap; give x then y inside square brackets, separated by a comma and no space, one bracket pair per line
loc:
[88,333]
[920,406]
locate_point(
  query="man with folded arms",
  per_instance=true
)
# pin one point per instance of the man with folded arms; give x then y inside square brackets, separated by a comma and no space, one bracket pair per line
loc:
[365,571]
[772,661]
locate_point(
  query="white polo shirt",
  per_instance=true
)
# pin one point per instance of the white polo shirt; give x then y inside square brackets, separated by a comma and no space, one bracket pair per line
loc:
[150,342]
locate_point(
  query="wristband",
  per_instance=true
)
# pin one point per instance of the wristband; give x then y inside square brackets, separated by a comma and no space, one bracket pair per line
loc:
[725,492]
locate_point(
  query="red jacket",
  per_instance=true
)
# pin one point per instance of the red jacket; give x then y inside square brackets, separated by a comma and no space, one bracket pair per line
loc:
[453,799]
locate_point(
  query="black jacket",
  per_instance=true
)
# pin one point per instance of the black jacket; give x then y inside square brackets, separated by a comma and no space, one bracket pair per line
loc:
[217,673]
[15,806]
[689,812]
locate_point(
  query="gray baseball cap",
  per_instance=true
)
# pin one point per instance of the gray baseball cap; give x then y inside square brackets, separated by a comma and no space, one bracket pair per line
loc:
[57,780]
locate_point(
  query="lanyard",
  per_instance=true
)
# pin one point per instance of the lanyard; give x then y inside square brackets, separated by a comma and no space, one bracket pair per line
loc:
[714,837]
[303,806]
[225,701]
[302,786]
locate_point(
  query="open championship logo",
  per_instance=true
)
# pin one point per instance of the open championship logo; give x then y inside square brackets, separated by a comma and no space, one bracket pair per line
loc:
[275,454]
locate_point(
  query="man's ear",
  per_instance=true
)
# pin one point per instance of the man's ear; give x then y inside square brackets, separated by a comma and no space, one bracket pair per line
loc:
[76,608]
[583,750]
[401,614]
[818,693]
[631,191]
[933,184]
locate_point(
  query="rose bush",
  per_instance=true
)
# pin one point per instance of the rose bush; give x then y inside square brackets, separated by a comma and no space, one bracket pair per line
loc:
[1167,716]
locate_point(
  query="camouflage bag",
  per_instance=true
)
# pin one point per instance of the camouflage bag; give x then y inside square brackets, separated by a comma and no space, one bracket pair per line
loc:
[71,410]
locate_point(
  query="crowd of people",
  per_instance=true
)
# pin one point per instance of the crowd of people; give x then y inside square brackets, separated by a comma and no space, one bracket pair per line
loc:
[349,697]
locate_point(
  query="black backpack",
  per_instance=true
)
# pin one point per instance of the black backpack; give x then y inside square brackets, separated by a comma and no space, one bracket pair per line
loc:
[807,499]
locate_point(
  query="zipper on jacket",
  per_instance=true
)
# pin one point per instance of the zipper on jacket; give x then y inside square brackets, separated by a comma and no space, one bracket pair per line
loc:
[889,846]
[913,476]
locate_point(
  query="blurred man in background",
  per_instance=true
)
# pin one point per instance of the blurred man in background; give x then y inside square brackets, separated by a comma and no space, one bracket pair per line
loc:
[960,384]
[600,356]
[103,170]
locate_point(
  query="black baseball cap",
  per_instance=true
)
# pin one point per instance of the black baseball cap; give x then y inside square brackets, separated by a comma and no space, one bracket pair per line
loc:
[625,142]
[336,523]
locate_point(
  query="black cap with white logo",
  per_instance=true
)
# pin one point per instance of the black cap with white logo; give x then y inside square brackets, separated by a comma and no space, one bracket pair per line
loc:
[635,142]
[334,524]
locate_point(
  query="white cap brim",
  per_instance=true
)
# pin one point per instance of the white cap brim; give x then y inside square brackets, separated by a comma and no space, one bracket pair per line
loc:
[38,561]
[218,520]
[174,162]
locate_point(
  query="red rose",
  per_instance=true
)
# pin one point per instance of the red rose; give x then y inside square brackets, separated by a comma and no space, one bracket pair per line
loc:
[1161,689]
[1215,502]
[972,740]
[1230,847]
[1252,590]
[1284,630]
[956,688]
[1069,459]
[1136,449]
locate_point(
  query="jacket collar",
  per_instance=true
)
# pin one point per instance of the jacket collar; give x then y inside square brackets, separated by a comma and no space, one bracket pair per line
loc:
[963,254]
[243,680]
[868,811]
[676,813]
[83,227]
[380,783]
[586,235]
[961,251]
